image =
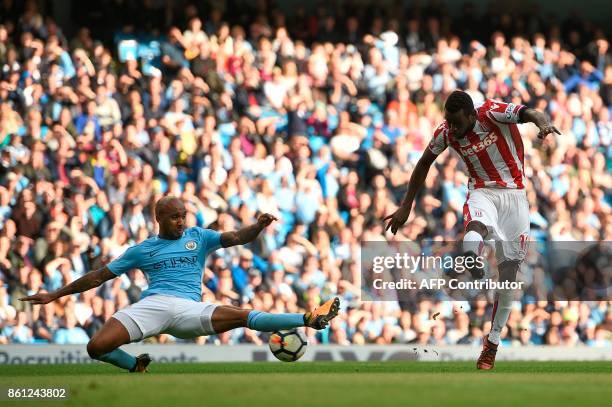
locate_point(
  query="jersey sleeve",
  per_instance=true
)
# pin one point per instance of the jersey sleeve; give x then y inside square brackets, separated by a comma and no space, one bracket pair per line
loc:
[210,239]
[502,112]
[126,262]
[439,142]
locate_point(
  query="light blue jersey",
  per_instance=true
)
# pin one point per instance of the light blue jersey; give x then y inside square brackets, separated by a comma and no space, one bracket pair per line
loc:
[173,267]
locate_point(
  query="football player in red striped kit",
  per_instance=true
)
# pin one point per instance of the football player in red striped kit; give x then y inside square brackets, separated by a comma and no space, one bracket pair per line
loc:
[488,140]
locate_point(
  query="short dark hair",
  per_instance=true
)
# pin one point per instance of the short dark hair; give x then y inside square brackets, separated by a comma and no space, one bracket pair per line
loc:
[162,203]
[459,100]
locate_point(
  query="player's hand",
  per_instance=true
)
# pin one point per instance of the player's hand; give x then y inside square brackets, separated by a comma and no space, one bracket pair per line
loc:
[546,130]
[40,298]
[265,219]
[397,219]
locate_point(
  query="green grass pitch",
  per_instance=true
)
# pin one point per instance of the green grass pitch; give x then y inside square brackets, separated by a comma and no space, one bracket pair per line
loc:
[321,384]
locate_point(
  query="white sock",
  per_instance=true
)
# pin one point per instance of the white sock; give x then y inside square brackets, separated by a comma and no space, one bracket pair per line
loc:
[472,242]
[505,298]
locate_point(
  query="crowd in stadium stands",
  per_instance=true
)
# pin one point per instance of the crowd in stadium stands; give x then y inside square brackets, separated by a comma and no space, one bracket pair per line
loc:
[316,119]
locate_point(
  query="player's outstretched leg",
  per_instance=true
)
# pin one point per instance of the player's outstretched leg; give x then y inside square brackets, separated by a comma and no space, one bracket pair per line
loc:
[473,245]
[501,312]
[105,345]
[225,318]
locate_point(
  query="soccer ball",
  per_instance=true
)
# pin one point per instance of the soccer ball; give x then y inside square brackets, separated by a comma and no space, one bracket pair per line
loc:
[289,345]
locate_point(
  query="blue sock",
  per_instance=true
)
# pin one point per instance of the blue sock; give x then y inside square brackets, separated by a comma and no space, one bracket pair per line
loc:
[265,322]
[119,358]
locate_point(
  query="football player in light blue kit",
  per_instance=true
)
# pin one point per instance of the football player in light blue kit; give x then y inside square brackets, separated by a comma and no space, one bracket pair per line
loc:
[173,262]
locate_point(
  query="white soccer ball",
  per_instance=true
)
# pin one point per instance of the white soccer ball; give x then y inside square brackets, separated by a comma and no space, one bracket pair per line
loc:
[289,345]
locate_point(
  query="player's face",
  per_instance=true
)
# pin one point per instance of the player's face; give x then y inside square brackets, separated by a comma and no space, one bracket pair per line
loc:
[460,123]
[172,222]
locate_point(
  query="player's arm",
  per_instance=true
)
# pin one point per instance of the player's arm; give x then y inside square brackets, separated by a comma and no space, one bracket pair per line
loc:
[248,233]
[400,216]
[88,281]
[528,115]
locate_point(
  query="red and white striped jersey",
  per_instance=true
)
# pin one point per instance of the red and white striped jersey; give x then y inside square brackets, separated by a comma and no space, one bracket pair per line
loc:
[492,150]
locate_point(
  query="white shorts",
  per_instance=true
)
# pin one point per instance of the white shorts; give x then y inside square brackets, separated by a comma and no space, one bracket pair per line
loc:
[505,213]
[159,313]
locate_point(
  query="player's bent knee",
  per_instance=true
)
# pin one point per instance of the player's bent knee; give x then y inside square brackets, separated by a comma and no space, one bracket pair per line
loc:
[508,270]
[477,227]
[93,350]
